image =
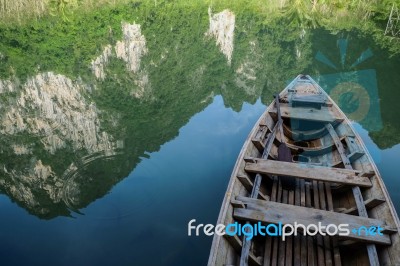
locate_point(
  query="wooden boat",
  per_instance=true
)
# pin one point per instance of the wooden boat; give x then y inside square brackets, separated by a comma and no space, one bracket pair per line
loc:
[335,182]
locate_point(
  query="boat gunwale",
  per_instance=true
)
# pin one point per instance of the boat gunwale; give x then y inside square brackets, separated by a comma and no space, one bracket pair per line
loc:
[228,195]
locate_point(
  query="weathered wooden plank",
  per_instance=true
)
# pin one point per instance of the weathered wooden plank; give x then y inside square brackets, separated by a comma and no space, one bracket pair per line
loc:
[255,191]
[279,194]
[347,242]
[309,114]
[373,202]
[310,242]
[305,134]
[302,193]
[246,243]
[248,184]
[355,156]
[309,100]
[326,174]
[320,248]
[274,189]
[369,204]
[282,245]
[236,243]
[329,200]
[262,131]
[362,211]
[268,241]
[289,241]
[297,240]
[267,251]
[336,251]
[274,258]
[304,244]
[260,138]
[354,148]
[259,144]
[274,212]
[313,151]
[245,200]
[327,244]
[368,174]
[237,204]
[322,198]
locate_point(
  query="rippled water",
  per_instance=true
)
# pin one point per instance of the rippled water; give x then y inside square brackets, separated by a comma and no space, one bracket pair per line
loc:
[118,182]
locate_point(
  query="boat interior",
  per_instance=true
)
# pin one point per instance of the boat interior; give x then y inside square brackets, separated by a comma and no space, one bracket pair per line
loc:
[335,182]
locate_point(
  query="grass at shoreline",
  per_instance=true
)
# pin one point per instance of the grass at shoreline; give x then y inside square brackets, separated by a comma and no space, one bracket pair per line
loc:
[25,11]
[301,11]
[67,43]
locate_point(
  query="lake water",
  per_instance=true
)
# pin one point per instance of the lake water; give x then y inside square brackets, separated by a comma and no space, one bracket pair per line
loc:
[143,219]
[131,206]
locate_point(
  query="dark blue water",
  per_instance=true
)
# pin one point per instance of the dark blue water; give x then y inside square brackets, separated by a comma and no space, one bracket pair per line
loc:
[143,220]
[386,160]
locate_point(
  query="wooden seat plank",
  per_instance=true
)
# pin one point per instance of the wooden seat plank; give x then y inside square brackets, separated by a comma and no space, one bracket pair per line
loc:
[310,114]
[319,173]
[274,212]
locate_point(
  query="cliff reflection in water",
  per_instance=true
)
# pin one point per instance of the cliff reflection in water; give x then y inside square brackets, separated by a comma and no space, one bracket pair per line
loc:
[67,141]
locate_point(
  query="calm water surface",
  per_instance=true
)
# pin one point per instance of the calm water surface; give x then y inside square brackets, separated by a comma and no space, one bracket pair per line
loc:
[133,209]
[144,217]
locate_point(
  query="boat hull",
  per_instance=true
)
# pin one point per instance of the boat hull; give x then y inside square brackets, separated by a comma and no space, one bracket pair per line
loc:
[335,177]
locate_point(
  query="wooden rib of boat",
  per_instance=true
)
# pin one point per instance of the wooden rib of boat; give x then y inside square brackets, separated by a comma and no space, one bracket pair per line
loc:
[336,182]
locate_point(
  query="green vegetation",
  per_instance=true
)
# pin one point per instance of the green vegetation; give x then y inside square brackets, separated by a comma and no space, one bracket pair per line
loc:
[23,11]
[68,46]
